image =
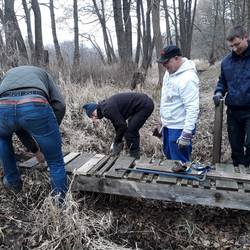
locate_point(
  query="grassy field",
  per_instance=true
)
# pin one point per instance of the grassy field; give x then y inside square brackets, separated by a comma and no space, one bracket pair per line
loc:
[93,221]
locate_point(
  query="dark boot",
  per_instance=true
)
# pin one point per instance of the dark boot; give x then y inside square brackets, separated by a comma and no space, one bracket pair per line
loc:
[135,154]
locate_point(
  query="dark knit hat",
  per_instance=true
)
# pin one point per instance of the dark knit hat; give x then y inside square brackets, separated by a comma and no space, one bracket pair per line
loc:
[169,52]
[89,108]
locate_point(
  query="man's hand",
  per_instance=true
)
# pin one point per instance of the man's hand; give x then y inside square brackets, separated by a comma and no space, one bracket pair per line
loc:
[116,148]
[39,156]
[217,97]
[184,140]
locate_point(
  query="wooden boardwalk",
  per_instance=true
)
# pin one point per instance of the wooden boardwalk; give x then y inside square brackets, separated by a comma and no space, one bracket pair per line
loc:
[226,186]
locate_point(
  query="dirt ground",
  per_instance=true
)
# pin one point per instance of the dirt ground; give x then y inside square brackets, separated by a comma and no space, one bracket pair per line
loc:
[94,221]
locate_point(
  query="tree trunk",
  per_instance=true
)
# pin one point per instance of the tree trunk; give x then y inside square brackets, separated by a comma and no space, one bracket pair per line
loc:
[127,28]
[39,51]
[59,57]
[108,48]
[138,43]
[248,16]
[28,23]
[186,22]
[146,39]
[123,31]
[168,31]
[76,35]
[212,58]
[157,35]
[176,25]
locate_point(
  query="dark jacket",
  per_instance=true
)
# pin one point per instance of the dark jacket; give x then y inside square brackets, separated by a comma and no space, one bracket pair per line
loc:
[118,108]
[234,80]
[33,77]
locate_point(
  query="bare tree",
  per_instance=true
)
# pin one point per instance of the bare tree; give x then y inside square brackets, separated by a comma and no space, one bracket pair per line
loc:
[186,22]
[147,42]
[39,51]
[248,16]
[59,57]
[176,24]
[100,12]
[138,43]
[15,45]
[76,35]
[212,58]
[123,30]
[157,35]
[28,23]
[169,35]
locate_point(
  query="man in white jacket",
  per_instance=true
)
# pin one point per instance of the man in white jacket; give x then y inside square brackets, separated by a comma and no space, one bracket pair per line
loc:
[179,104]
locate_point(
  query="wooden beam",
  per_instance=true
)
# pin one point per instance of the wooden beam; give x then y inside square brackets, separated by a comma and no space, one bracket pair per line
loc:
[174,193]
[218,122]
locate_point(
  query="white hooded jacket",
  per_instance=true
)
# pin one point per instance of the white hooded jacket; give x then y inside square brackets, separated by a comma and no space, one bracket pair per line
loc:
[179,107]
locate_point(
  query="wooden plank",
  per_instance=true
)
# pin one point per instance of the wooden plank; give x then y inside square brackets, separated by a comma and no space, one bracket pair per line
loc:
[226,184]
[99,165]
[69,157]
[78,161]
[122,162]
[174,193]
[106,167]
[243,170]
[217,137]
[166,166]
[136,175]
[32,162]
[213,174]
[84,168]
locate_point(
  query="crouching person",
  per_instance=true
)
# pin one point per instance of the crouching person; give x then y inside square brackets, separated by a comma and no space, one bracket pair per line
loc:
[134,107]
[31,102]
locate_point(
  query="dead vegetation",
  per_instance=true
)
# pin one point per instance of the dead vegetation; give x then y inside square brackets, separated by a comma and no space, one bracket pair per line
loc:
[92,221]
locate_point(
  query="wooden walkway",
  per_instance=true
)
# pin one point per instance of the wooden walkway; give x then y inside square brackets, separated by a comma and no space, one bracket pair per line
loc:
[225,187]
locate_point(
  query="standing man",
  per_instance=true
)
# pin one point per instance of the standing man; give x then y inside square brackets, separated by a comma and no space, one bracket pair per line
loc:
[134,107]
[31,102]
[179,104]
[234,82]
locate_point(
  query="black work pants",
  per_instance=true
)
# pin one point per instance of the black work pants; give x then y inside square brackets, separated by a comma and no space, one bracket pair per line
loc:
[238,125]
[135,122]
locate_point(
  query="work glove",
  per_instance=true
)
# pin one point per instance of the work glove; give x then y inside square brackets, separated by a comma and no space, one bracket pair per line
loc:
[184,140]
[116,148]
[157,133]
[217,97]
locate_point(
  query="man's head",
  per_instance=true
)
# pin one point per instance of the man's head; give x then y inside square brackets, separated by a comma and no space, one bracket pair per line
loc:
[237,39]
[170,58]
[90,109]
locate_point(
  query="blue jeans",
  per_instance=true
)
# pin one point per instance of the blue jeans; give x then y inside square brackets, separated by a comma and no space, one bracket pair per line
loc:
[170,147]
[38,120]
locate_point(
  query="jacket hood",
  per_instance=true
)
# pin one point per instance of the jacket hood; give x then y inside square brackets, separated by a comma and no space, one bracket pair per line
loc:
[186,66]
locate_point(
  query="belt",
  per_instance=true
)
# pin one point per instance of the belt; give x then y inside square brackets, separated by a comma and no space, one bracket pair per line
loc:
[24,100]
[23,92]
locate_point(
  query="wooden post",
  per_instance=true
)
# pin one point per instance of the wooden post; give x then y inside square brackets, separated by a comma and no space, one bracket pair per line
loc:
[218,121]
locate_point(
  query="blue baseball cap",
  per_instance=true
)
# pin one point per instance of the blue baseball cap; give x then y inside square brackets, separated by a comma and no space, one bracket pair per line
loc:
[90,108]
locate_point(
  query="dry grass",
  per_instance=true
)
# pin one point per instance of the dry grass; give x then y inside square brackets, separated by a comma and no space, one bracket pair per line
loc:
[107,222]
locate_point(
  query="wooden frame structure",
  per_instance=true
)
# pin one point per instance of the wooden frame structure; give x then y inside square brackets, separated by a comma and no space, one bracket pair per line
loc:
[226,186]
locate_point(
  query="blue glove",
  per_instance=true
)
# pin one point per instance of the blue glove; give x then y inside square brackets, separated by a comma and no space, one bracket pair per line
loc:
[184,140]
[217,97]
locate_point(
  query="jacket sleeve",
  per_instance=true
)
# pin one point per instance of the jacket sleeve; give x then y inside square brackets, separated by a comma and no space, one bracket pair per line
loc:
[222,83]
[118,122]
[190,98]
[56,100]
